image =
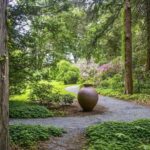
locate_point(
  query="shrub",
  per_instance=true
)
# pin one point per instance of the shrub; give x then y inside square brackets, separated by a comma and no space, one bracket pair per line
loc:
[58,87]
[66,99]
[41,91]
[21,97]
[19,71]
[27,110]
[71,76]
[43,74]
[51,93]
[115,83]
[88,72]
[61,99]
[110,69]
[67,72]
[141,81]
[138,98]
[119,136]
[28,135]
[19,89]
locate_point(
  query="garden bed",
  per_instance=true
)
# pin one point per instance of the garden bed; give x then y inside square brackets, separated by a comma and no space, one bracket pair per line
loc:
[119,136]
[75,110]
[27,137]
[142,99]
[31,110]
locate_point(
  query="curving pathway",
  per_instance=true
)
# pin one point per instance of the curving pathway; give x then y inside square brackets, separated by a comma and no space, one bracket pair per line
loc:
[75,139]
[117,111]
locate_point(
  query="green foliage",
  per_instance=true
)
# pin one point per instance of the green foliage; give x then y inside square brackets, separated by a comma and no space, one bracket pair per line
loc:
[139,98]
[67,72]
[141,81]
[35,51]
[21,97]
[114,83]
[27,136]
[119,136]
[111,76]
[66,99]
[44,74]
[108,92]
[41,91]
[72,76]
[71,32]
[50,93]
[58,90]
[58,87]
[19,71]
[18,109]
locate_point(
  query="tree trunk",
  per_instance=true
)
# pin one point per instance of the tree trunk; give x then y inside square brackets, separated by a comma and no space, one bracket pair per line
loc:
[4,136]
[128,48]
[147,3]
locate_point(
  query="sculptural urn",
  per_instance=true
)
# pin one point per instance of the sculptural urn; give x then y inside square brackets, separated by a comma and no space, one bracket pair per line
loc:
[87,97]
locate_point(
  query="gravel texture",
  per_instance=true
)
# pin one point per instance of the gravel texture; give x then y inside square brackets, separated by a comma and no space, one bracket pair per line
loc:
[73,140]
[118,110]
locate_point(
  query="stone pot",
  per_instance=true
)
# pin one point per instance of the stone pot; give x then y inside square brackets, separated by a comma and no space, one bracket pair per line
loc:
[87,97]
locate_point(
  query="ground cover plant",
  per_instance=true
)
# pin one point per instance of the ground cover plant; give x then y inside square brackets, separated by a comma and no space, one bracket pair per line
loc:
[27,136]
[47,39]
[112,82]
[138,98]
[119,136]
[20,109]
[40,100]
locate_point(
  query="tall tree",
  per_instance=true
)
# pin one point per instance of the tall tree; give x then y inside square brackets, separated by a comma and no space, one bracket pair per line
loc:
[4,136]
[147,3]
[128,47]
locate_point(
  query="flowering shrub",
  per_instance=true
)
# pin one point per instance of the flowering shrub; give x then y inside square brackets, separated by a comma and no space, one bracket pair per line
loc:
[110,69]
[104,68]
[94,74]
[88,72]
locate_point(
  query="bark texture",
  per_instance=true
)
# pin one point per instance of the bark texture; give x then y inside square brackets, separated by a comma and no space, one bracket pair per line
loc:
[4,135]
[128,48]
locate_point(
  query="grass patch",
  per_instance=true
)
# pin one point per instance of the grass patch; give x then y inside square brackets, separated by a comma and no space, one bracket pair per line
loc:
[27,136]
[139,98]
[119,136]
[20,109]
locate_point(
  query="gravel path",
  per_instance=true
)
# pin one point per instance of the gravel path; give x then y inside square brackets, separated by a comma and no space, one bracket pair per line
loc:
[73,140]
[117,111]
